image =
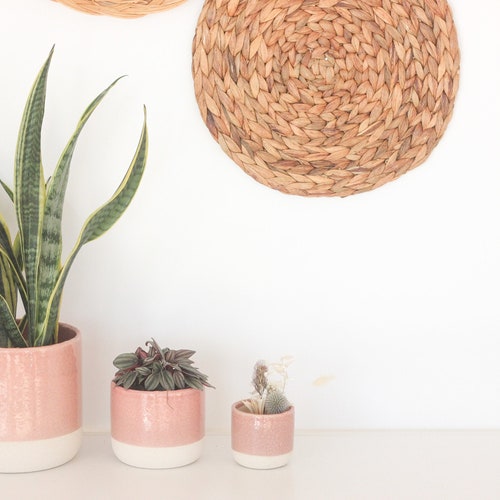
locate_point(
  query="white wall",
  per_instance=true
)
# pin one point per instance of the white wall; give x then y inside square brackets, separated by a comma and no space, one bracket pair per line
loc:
[393,293]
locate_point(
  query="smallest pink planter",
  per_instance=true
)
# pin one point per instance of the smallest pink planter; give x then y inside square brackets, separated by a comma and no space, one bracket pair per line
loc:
[157,429]
[261,441]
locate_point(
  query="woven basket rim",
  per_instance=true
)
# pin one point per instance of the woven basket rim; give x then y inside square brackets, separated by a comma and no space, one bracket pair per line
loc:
[129,9]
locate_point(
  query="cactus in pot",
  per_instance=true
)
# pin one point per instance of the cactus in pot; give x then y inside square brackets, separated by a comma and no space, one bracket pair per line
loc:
[31,266]
[262,427]
[269,381]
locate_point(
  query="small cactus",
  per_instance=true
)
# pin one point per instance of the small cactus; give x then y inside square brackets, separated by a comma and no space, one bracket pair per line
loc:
[269,397]
[276,402]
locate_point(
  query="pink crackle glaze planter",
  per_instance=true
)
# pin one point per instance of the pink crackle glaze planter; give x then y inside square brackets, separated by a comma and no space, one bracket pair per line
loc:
[40,404]
[261,441]
[157,429]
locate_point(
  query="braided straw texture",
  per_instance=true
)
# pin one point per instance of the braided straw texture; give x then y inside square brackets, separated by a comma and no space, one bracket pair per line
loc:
[326,97]
[122,8]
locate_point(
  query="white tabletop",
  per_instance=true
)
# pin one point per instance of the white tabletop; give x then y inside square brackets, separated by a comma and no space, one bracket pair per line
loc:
[337,465]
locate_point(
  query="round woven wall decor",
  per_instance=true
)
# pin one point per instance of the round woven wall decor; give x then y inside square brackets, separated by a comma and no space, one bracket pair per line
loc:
[122,8]
[326,97]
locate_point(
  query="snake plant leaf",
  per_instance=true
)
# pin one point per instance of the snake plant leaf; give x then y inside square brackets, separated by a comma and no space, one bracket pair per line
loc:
[7,189]
[51,248]
[29,187]
[105,217]
[98,223]
[8,289]
[18,253]
[9,331]
[11,271]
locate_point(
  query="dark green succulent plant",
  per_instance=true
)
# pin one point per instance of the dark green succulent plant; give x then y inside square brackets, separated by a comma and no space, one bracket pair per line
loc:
[158,369]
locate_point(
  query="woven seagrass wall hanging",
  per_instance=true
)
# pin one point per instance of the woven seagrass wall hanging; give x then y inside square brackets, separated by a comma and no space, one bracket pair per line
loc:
[326,97]
[122,8]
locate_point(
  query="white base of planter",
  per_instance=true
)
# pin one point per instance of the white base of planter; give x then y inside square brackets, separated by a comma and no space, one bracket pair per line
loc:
[261,462]
[147,457]
[31,456]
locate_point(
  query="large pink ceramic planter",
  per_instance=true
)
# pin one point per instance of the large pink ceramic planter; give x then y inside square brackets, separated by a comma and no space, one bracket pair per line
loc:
[40,404]
[261,441]
[157,429]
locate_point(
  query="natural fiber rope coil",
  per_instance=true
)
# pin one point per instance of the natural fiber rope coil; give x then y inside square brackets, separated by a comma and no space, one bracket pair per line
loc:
[122,8]
[326,97]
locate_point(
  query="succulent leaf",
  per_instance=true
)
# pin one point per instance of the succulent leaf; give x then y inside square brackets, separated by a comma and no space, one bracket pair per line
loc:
[168,355]
[129,379]
[193,383]
[167,380]
[125,361]
[152,381]
[183,354]
[159,369]
[143,371]
[179,379]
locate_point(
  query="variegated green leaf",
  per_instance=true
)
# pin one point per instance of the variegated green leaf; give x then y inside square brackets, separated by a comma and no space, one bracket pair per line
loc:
[7,189]
[9,331]
[143,371]
[18,252]
[29,187]
[51,248]
[8,289]
[125,361]
[10,257]
[36,251]
[166,380]
[193,383]
[106,216]
[184,354]
[152,382]
[179,379]
[127,381]
[98,223]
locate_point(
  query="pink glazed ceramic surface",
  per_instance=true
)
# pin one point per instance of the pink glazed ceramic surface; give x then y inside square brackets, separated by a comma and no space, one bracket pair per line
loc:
[263,435]
[157,418]
[40,389]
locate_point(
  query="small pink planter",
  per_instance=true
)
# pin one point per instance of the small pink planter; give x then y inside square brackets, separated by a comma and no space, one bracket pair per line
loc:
[157,429]
[261,441]
[40,404]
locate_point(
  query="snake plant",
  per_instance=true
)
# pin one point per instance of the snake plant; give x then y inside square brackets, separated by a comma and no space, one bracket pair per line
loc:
[31,266]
